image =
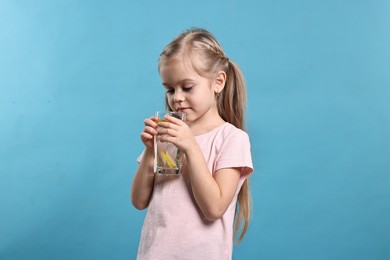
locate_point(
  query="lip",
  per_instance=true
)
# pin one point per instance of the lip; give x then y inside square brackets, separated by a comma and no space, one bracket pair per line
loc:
[182,109]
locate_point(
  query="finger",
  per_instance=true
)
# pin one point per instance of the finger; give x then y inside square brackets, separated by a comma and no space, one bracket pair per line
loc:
[165,138]
[150,130]
[146,136]
[168,125]
[150,122]
[167,131]
[174,120]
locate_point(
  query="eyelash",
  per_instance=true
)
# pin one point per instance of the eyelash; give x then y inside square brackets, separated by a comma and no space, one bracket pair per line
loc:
[185,89]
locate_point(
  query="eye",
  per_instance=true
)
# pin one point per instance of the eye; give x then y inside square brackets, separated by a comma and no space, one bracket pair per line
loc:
[170,91]
[187,88]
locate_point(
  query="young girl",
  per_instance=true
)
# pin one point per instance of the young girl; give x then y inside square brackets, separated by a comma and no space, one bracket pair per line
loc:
[192,215]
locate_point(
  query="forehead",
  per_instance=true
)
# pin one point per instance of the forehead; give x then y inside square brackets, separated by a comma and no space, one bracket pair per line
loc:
[178,72]
[189,59]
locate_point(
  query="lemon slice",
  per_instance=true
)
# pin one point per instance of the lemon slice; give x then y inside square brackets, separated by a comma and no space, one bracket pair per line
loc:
[166,157]
[170,160]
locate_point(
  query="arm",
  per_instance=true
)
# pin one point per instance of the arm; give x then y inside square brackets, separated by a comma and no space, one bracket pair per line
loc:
[142,186]
[213,194]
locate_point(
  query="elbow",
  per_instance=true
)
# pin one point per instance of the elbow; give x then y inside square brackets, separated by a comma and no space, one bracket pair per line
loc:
[213,214]
[138,204]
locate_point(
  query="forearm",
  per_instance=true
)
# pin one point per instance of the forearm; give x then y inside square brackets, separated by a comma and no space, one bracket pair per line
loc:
[206,190]
[142,186]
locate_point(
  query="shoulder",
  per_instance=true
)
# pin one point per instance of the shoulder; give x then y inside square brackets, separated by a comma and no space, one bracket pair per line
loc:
[229,131]
[224,136]
[230,137]
[234,149]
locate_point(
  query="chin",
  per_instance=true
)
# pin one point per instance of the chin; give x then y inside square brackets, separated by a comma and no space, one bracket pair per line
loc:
[188,119]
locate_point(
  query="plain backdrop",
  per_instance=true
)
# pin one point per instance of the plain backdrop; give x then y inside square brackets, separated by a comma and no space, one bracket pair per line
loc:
[77,78]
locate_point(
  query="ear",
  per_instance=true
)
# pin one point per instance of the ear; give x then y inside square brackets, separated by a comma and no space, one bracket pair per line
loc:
[219,82]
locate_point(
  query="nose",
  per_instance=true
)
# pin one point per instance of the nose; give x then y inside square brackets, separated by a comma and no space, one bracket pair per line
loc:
[178,96]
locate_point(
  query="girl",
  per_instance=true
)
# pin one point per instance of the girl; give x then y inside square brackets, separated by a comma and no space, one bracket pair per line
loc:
[192,215]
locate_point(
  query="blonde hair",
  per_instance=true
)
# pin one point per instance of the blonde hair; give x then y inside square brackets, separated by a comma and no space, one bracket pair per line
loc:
[230,102]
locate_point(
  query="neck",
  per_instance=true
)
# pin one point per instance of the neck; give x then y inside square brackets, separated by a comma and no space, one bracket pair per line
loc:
[205,124]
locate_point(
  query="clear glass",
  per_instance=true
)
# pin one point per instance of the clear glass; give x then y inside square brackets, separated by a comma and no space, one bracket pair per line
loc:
[167,157]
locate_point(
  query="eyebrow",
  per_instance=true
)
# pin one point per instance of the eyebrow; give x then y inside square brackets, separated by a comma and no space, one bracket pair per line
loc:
[168,85]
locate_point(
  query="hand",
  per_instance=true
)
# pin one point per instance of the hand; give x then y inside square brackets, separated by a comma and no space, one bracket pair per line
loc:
[149,131]
[177,132]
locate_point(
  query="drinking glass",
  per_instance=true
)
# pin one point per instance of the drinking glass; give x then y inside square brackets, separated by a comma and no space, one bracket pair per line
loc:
[167,157]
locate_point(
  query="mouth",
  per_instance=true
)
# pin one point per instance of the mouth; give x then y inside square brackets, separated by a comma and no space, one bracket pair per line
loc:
[181,109]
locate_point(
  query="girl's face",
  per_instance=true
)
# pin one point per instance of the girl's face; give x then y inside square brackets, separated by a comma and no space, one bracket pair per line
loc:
[189,92]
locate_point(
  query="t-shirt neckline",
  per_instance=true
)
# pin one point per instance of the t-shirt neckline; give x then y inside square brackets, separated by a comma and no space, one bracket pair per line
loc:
[212,130]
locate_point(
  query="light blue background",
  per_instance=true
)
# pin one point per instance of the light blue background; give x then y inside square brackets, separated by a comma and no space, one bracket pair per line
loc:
[77,78]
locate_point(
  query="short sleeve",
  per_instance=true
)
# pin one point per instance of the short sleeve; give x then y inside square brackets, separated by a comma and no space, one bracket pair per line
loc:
[139,158]
[235,152]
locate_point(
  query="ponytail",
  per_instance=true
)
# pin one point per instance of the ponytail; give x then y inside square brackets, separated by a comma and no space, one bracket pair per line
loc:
[231,106]
[243,211]
[231,102]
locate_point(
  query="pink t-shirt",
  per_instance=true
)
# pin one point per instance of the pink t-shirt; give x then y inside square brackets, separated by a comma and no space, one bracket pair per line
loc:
[174,226]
